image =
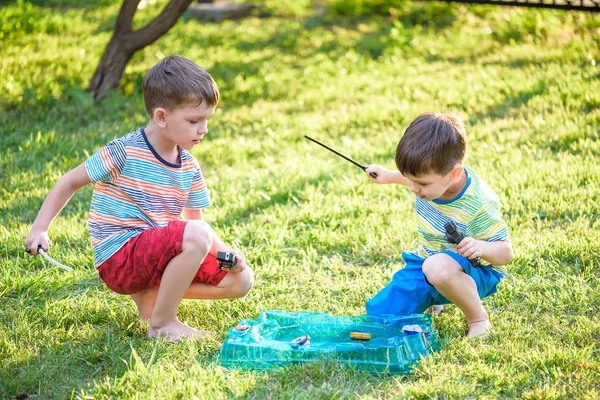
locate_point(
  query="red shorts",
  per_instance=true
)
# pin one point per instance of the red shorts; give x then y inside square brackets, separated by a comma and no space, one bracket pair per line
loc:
[141,262]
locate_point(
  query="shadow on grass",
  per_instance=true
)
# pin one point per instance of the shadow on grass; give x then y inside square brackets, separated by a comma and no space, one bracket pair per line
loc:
[510,102]
[64,4]
[572,144]
[285,41]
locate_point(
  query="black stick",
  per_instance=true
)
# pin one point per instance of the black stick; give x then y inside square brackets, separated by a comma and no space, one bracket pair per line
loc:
[371,174]
[454,237]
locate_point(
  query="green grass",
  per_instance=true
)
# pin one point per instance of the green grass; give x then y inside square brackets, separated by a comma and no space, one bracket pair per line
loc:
[319,236]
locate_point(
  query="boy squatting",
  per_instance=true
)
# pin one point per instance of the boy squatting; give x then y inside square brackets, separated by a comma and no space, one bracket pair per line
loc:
[430,161]
[145,221]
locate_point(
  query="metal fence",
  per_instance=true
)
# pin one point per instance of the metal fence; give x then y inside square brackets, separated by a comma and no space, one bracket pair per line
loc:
[579,5]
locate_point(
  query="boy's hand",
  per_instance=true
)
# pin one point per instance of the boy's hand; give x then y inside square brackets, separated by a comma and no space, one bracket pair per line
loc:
[35,240]
[471,248]
[383,174]
[240,264]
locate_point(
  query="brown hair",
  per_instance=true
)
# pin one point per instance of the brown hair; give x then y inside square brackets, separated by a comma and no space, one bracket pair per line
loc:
[175,81]
[433,143]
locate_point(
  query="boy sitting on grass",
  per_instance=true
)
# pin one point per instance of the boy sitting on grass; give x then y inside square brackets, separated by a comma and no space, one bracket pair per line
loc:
[149,239]
[430,159]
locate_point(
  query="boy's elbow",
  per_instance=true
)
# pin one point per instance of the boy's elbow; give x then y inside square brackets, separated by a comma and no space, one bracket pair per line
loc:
[510,253]
[75,179]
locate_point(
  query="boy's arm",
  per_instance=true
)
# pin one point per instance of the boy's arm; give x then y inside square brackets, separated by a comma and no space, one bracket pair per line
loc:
[58,197]
[492,243]
[217,243]
[498,252]
[385,175]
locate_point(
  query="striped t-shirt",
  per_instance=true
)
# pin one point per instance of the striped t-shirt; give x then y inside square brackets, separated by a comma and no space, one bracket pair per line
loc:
[135,189]
[476,212]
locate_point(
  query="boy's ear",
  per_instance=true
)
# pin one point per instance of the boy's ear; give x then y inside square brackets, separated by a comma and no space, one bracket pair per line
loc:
[160,117]
[456,173]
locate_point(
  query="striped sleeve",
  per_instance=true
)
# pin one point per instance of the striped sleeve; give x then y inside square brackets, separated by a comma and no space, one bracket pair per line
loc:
[107,163]
[199,196]
[487,224]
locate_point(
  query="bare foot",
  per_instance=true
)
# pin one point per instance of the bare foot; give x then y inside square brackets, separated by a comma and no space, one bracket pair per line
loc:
[176,331]
[479,328]
[435,310]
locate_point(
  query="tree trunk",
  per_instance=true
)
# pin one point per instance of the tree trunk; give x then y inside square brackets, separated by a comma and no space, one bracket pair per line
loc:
[110,70]
[125,42]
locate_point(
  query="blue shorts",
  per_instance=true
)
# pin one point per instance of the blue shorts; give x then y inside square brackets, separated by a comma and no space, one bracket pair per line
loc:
[410,293]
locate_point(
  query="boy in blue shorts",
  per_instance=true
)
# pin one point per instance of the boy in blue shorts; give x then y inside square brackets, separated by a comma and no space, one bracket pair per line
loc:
[430,160]
[149,238]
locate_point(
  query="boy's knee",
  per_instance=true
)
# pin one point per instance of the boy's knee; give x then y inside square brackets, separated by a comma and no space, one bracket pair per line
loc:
[197,237]
[437,269]
[243,284]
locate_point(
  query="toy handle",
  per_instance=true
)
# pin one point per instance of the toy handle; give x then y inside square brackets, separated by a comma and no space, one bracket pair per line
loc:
[475,262]
[371,174]
[39,248]
[454,237]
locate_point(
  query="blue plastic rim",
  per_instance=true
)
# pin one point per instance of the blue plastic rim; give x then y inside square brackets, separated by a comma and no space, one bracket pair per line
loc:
[280,338]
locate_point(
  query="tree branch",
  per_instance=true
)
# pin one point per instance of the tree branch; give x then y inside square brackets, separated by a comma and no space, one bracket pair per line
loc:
[159,25]
[125,18]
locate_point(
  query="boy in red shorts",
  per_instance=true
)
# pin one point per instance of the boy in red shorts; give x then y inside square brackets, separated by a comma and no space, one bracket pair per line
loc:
[150,241]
